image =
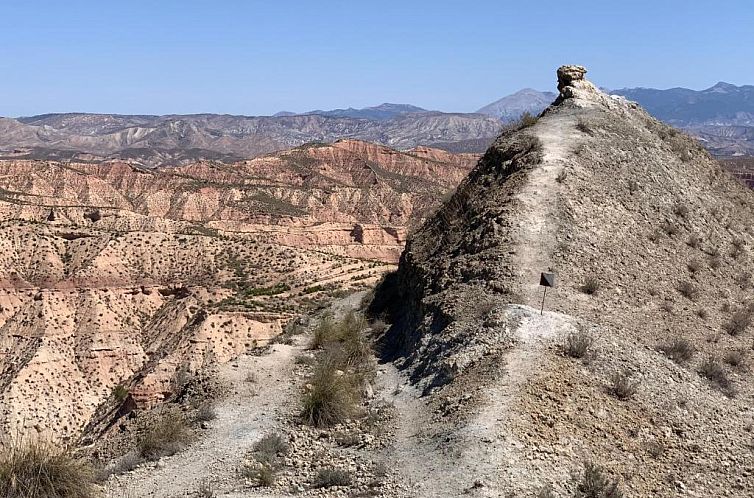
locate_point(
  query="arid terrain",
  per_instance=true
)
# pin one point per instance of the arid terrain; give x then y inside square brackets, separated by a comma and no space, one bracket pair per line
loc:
[114,275]
[347,319]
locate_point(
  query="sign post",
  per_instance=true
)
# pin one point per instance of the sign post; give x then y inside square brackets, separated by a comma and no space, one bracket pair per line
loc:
[546,280]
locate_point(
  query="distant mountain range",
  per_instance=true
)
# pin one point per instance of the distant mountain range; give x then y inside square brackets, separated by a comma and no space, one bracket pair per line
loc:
[722,117]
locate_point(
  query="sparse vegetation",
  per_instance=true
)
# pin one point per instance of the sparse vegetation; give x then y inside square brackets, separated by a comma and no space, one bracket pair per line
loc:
[166,435]
[713,370]
[736,358]
[738,322]
[623,386]
[332,396]
[562,176]
[578,344]
[591,286]
[120,393]
[688,290]
[669,228]
[593,483]
[681,210]
[263,475]
[205,413]
[680,349]
[41,470]
[695,266]
[270,447]
[329,477]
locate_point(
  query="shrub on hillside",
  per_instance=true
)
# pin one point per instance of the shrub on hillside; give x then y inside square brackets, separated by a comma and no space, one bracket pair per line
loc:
[332,395]
[42,470]
[738,322]
[591,286]
[166,435]
[593,483]
[623,386]
[329,477]
[713,370]
[688,290]
[680,349]
[578,344]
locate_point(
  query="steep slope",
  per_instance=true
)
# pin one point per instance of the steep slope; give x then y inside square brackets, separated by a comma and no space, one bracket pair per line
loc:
[650,241]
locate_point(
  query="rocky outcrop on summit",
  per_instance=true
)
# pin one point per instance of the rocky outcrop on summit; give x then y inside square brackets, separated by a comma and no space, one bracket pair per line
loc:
[650,240]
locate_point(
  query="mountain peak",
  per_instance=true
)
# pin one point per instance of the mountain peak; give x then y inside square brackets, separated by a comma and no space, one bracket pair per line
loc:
[722,87]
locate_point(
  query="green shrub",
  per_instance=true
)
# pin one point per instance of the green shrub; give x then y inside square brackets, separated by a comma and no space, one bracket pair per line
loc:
[42,470]
[120,393]
[329,477]
[591,286]
[578,344]
[623,387]
[332,396]
[680,349]
[166,435]
[593,483]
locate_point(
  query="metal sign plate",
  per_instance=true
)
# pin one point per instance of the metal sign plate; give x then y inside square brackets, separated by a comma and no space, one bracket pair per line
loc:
[547,279]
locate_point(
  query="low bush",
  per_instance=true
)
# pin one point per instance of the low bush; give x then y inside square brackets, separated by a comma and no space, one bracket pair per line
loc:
[591,286]
[332,395]
[680,210]
[264,475]
[329,477]
[166,435]
[712,370]
[688,290]
[42,470]
[205,413]
[738,322]
[680,349]
[269,448]
[695,266]
[736,359]
[623,386]
[593,483]
[578,344]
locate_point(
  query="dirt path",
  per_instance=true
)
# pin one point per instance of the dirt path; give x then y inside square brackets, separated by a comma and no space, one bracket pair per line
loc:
[252,409]
[484,450]
[537,232]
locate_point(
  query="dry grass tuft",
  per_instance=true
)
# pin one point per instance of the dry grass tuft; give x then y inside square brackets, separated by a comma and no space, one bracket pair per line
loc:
[166,435]
[680,349]
[332,397]
[41,470]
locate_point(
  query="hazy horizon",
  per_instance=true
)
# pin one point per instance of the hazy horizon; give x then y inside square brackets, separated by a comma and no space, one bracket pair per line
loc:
[255,58]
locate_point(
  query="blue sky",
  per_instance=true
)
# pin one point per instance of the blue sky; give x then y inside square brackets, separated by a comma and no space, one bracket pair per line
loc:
[252,57]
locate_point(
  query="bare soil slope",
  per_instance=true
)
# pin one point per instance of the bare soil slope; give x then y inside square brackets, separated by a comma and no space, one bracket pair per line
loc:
[650,240]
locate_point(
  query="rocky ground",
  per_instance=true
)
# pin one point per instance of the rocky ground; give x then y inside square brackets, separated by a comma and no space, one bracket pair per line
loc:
[650,242]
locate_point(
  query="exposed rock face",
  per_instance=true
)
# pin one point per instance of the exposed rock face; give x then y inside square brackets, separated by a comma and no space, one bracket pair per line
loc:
[595,190]
[141,274]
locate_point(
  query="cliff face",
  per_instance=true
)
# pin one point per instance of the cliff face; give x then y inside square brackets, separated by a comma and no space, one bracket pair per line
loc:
[110,274]
[649,239]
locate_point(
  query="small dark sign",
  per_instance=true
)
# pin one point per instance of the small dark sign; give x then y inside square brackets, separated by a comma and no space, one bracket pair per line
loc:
[547,279]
